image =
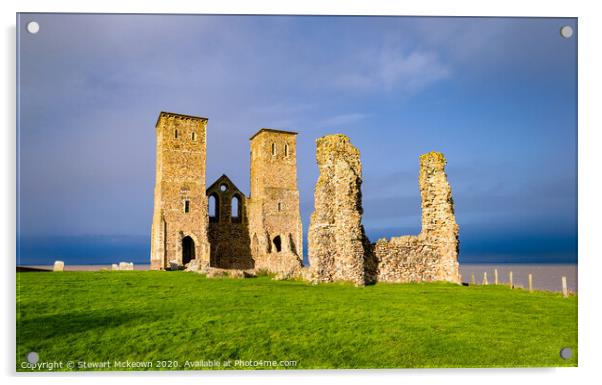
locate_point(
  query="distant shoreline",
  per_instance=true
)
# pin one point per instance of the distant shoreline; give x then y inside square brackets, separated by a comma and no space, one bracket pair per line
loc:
[79,267]
[546,276]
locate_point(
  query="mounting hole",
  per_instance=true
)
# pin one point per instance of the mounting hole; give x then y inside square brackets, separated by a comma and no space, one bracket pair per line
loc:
[32,357]
[566,31]
[566,353]
[33,27]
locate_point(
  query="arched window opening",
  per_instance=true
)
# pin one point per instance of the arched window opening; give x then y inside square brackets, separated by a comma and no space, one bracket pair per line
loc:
[213,208]
[277,243]
[236,209]
[273,148]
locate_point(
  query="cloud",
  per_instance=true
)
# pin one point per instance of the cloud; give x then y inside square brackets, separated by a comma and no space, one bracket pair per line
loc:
[391,68]
[462,39]
[288,108]
[342,119]
[92,86]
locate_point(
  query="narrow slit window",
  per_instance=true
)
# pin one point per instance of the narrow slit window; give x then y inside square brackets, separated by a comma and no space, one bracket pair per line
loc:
[194,136]
[187,206]
[273,148]
[286,150]
[176,134]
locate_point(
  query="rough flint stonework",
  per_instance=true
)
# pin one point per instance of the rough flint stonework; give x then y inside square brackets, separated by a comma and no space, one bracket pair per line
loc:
[439,226]
[179,229]
[433,254]
[338,247]
[242,235]
[337,244]
[275,226]
[228,226]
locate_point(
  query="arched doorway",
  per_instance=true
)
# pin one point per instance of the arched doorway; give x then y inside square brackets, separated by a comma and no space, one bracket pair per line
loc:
[187,250]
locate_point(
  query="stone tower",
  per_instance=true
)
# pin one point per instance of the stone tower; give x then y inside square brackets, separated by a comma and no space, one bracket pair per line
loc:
[273,207]
[179,229]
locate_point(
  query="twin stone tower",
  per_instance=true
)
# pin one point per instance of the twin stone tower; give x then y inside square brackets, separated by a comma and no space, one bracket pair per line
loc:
[218,227]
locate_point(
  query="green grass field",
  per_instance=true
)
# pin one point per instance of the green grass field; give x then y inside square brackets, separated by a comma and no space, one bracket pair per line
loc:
[169,318]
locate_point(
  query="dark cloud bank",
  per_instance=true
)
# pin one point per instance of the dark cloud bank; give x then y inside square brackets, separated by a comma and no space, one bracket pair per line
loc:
[496,95]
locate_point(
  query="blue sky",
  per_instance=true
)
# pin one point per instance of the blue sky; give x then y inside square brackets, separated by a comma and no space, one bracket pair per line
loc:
[496,95]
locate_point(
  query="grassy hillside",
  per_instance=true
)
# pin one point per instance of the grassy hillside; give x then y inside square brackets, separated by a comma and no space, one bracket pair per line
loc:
[178,316]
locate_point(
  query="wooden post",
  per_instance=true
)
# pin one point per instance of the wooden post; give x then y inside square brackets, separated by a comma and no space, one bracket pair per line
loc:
[472,281]
[530,282]
[485,279]
[565,291]
[495,276]
[510,279]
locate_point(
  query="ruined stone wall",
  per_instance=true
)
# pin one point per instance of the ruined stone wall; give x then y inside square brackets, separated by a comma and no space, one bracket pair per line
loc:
[180,202]
[433,254]
[406,259]
[266,233]
[273,208]
[228,226]
[337,246]
[439,226]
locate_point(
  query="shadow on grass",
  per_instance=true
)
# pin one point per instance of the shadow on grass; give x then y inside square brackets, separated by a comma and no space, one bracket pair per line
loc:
[58,325]
[25,269]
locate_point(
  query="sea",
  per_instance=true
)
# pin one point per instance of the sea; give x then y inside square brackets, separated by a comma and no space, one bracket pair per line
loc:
[546,277]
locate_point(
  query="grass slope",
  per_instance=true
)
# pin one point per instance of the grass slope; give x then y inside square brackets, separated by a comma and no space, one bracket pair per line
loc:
[179,316]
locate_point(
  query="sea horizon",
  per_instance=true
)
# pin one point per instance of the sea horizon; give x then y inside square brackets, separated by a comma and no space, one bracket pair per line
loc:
[108,249]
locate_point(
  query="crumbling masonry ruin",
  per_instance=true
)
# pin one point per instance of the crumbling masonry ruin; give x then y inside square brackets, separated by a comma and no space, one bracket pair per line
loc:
[219,228]
[338,247]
